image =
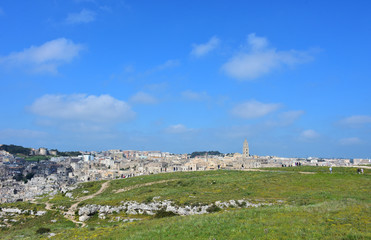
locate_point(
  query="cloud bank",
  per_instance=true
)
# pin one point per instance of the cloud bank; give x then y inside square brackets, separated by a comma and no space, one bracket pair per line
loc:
[195,96]
[85,16]
[260,59]
[356,120]
[309,134]
[199,50]
[178,129]
[21,133]
[254,109]
[168,64]
[143,98]
[45,58]
[350,141]
[81,107]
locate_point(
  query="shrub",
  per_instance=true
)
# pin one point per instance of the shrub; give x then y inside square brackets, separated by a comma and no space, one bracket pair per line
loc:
[148,199]
[163,213]
[242,204]
[196,204]
[42,230]
[213,208]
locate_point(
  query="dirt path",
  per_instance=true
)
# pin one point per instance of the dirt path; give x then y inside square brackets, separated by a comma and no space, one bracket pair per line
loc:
[48,206]
[143,185]
[307,172]
[70,214]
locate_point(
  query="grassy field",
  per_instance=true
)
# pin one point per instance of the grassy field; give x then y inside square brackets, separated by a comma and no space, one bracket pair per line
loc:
[210,186]
[341,170]
[305,206]
[328,220]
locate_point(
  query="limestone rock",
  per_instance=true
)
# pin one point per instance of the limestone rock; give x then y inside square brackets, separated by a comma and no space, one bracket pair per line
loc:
[83,218]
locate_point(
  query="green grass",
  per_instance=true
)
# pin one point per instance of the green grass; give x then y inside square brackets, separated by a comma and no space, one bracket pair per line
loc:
[87,187]
[27,226]
[37,158]
[343,170]
[23,206]
[207,187]
[328,220]
[83,189]
[314,206]
[61,200]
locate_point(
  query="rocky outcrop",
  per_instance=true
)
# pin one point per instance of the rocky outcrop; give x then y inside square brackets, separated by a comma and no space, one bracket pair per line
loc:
[14,211]
[135,208]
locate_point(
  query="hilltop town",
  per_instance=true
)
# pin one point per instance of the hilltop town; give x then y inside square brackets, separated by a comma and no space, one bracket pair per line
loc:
[41,171]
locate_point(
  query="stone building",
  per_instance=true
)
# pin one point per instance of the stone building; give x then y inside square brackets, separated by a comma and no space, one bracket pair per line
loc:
[245,150]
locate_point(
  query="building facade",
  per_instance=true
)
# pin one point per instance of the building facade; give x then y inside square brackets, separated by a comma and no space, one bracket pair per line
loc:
[245,150]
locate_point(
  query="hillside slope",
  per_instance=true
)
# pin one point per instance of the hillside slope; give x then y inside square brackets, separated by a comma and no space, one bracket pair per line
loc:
[267,204]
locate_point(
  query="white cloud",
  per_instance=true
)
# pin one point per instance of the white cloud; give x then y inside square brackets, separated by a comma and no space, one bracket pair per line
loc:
[177,129]
[254,109]
[81,107]
[21,133]
[356,121]
[45,58]
[85,16]
[143,98]
[157,87]
[195,96]
[309,134]
[287,118]
[129,69]
[260,59]
[200,50]
[350,141]
[168,64]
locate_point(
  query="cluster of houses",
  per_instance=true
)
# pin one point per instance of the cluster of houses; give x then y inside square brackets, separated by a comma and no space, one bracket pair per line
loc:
[22,180]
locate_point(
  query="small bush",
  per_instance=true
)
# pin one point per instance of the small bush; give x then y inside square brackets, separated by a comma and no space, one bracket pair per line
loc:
[242,204]
[163,213]
[148,199]
[42,230]
[196,204]
[92,214]
[213,208]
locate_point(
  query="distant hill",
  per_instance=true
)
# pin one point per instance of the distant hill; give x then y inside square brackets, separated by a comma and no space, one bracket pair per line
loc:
[285,203]
[14,149]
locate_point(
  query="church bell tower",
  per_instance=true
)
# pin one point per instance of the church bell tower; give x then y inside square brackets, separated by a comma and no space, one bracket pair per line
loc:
[245,150]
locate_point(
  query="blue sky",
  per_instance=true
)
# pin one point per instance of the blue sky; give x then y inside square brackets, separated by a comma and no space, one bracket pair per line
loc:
[293,77]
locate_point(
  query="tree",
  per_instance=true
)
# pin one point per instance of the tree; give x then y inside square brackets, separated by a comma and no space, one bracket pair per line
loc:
[14,149]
